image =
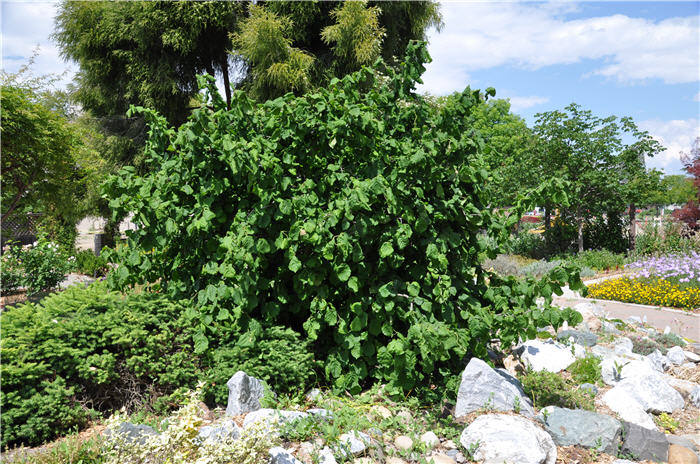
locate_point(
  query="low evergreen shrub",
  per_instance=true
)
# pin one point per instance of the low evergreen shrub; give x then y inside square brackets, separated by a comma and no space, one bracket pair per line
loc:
[586,370]
[88,264]
[84,351]
[550,389]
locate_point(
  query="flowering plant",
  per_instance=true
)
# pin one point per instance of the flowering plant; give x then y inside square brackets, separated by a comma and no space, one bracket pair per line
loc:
[40,266]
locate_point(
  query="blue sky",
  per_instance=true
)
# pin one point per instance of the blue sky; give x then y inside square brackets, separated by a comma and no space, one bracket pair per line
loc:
[638,59]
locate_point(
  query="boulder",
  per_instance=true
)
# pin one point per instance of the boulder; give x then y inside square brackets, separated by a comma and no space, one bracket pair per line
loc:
[131,433]
[325,456]
[692,357]
[353,443]
[658,361]
[591,316]
[484,387]
[280,455]
[695,396]
[652,392]
[682,441]
[545,355]
[678,454]
[499,438]
[244,394]
[578,336]
[643,443]
[628,408]
[614,369]
[589,387]
[676,355]
[226,430]
[582,428]
[684,387]
[403,443]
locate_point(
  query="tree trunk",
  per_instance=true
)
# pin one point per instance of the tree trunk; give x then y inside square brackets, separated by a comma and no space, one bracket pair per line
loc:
[227,84]
[633,229]
[547,218]
[580,234]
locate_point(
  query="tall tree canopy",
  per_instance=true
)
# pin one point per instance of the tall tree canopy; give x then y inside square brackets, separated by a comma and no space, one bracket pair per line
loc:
[149,53]
[605,173]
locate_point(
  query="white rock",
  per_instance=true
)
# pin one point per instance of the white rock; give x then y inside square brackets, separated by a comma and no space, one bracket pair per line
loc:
[676,355]
[667,330]
[546,355]
[353,442]
[501,438]
[695,396]
[438,459]
[325,456]
[282,456]
[225,430]
[394,460]
[430,440]
[381,411]
[449,444]
[690,356]
[403,443]
[684,387]
[623,346]
[658,361]
[615,369]
[652,392]
[628,408]
[272,417]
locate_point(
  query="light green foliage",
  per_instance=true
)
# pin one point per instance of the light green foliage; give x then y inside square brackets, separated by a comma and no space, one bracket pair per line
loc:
[356,36]
[586,370]
[674,190]
[275,66]
[672,237]
[601,260]
[72,449]
[550,389]
[178,443]
[342,213]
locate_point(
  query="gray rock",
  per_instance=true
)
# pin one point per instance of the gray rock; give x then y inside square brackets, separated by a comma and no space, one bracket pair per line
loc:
[282,456]
[545,355]
[690,356]
[131,433]
[609,327]
[583,428]
[325,456]
[634,320]
[313,395]
[321,413]
[658,361]
[225,431]
[623,461]
[589,387]
[580,337]
[502,438]
[244,394]
[676,355]
[353,443]
[694,397]
[483,386]
[644,443]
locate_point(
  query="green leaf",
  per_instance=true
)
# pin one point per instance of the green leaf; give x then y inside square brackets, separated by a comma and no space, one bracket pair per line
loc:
[294,264]
[386,250]
[413,288]
[342,271]
[354,284]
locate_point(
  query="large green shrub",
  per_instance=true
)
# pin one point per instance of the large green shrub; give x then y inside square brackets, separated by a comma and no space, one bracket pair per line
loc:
[351,213]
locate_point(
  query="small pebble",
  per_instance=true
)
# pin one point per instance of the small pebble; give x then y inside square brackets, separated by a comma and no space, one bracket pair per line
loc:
[403,443]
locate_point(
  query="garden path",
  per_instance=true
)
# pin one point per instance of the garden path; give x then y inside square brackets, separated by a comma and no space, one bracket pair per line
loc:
[681,322]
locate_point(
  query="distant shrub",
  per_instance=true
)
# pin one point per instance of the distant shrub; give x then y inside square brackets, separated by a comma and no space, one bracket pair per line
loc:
[601,260]
[645,346]
[38,267]
[88,264]
[528,244]
[673,237]
[609,232]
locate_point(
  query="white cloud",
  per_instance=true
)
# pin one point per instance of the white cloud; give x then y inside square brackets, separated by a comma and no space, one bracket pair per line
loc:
[530,36]
[521,103]
[26,27]
[677,136]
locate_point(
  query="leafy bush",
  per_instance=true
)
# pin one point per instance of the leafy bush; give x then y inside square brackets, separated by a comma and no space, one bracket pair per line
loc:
[528,244]
[88,264]
[601,260]
[550,389]
[610,233]
[352,213]
[38,267]
[586,370]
